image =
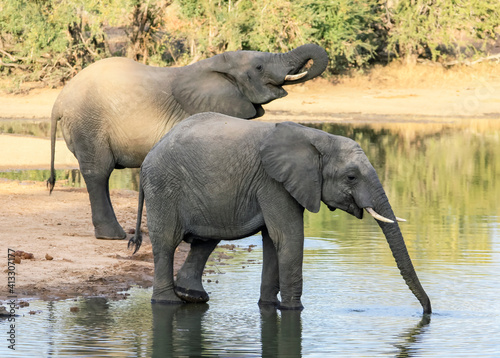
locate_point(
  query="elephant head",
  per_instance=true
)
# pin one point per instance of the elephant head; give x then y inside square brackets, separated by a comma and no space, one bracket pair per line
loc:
[315,166]
[239,83]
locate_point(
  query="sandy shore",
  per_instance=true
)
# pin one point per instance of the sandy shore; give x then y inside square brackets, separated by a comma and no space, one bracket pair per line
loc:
[59,225]
[470,96]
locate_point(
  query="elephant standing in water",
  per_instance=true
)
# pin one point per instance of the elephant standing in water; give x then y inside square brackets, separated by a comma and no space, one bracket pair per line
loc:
[215,177]
[114,111]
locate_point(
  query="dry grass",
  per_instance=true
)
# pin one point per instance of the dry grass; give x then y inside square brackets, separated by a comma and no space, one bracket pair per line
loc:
[12,85]
[396,75]
[399,75]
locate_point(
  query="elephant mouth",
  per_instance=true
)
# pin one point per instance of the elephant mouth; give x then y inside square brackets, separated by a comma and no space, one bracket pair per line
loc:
[355,211]
[275,85]
[352,209]
[277,91]
[332,208]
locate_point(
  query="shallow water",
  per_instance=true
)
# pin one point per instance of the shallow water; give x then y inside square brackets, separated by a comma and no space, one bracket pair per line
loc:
[29,127]
[442,178]
[127,178]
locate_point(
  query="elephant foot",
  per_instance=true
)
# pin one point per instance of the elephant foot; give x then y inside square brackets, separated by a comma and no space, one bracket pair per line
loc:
[274,303]
[110,233]
[194,296]
[166,299]
[167,302]
[297,306]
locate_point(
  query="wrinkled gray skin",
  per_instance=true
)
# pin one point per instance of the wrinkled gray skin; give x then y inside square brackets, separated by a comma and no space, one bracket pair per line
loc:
[114,111]
[215,177]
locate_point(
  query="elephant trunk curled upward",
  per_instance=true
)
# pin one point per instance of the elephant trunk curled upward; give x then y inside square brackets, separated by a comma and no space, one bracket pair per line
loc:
[114,111]
[215,177]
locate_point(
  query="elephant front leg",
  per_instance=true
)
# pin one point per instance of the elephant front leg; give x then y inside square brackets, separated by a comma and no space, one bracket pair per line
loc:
[106,225]
[188,285]
[290,268]
[270,285]
[290,249]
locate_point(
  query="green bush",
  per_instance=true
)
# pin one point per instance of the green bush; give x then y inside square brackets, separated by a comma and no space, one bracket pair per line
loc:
[261,25]
[347,29]
[47,40]
[51,40]
[433,28]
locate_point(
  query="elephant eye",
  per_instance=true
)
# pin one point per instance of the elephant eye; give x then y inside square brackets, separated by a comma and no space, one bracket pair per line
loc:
[259,68]
[351,177]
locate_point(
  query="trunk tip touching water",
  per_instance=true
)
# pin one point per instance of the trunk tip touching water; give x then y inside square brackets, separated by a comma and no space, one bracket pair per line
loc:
[399,251]
[403,261]
[427,306]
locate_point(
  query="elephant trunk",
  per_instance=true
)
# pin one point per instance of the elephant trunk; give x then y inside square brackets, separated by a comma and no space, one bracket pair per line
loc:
[396,243]
[298,58]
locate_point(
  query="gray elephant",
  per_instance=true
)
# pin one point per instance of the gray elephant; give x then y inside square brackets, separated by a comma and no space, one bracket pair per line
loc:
[114,111]
[215,177]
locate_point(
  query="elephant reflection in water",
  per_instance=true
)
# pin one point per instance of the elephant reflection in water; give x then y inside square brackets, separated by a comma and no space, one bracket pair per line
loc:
[181,330]
[178,330]
[281,336]
[410,337]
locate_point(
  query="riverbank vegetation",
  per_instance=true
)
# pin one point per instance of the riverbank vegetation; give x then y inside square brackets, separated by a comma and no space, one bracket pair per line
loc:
[49,41]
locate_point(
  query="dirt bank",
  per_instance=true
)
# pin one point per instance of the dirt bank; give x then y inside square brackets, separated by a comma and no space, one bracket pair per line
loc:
[59,226]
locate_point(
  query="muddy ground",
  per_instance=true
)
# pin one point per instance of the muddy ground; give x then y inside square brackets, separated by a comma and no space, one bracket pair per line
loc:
[57,229]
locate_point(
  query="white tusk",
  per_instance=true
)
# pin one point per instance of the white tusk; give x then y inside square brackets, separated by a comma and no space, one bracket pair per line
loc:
[400,220]
[378,216]
[295,77]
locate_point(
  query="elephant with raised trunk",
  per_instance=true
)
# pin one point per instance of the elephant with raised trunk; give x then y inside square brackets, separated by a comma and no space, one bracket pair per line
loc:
[114,111]
[215,177]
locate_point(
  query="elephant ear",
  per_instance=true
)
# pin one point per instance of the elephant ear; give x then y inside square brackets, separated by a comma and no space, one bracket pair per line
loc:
[204,87]
[289,157]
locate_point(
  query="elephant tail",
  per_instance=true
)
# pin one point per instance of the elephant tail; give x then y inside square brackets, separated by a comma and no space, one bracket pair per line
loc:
[53,130]
[136,240]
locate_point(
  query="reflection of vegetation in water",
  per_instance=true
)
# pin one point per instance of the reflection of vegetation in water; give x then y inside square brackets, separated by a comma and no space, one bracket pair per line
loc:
[35,128]
[120,179]
[71,177]
[127,178]
[112,319]
[443,179]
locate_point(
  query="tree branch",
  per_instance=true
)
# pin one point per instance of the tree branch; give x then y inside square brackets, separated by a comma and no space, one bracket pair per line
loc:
[12,58]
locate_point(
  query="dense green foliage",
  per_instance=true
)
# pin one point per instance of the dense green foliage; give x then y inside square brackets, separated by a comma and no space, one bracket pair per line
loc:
[429,27]
[51,40]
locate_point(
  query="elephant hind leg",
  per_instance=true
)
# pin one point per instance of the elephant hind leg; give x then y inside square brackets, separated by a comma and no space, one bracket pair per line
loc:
[165,239]
[188,285]
[96,174]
